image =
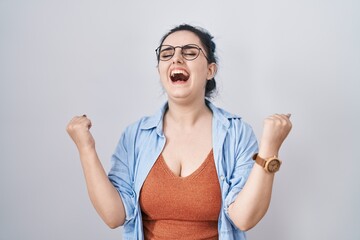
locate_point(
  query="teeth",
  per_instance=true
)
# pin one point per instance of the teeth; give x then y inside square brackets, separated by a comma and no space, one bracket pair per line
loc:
[177,71]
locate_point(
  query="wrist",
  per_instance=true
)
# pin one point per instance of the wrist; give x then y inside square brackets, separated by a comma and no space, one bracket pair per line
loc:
[269,164]
[86,150]
[266,153]
[268,148]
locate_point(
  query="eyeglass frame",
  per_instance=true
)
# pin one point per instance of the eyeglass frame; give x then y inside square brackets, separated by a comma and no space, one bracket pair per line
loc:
[157,50]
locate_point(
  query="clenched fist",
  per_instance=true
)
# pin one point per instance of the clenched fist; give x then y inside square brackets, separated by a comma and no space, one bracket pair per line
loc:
[78,129]
[276,129]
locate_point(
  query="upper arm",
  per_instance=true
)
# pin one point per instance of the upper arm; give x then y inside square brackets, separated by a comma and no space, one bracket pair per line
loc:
[121,174]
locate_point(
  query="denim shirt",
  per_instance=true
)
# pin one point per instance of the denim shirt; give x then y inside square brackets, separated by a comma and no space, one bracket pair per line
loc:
[140,145]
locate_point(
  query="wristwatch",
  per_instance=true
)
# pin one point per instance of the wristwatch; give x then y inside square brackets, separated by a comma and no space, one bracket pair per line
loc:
[271,165]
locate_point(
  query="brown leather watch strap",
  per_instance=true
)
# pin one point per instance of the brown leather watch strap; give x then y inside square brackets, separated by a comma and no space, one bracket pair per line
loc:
[259,160]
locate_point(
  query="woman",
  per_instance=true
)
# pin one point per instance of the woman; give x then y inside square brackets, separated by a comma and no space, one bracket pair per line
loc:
[188,171]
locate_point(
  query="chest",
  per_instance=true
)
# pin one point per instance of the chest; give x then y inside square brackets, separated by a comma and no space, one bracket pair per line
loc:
[185,152]
[196,197]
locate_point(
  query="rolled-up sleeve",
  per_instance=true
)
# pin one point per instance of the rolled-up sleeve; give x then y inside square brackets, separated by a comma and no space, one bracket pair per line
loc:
[120,176]
[246,146]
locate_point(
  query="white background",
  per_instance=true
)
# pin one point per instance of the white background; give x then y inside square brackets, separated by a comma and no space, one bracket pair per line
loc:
[64,58]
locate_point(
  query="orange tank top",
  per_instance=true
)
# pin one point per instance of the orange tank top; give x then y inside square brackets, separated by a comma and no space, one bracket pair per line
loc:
[176,207]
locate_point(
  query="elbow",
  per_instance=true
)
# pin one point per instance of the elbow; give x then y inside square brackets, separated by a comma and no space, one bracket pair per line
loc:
[113,226]
[113,218]
[244,221]
[114,222]
[246,226]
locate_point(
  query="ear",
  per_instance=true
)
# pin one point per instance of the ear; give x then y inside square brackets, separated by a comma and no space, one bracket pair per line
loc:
[212,68]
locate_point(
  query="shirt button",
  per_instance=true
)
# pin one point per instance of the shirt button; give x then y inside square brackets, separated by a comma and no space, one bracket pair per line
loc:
[222,178]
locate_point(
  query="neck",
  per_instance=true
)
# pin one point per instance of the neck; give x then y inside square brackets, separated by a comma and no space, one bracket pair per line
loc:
[187,114]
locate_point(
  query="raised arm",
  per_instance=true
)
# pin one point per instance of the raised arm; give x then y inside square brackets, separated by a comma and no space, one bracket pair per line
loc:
[253,201]
[103,195]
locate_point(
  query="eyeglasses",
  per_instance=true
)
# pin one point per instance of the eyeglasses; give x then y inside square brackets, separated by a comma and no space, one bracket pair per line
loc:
[188,52]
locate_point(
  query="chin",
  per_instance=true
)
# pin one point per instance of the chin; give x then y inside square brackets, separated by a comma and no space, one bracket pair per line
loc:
[179,97]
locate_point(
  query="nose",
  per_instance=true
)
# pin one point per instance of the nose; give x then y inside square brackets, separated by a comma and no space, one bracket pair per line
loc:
[177,58]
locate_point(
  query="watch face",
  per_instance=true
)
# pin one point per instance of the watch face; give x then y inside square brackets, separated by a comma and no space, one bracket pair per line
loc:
[273,165]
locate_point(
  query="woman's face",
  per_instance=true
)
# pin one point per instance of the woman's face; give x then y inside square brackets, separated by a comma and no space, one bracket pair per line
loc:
[185,80]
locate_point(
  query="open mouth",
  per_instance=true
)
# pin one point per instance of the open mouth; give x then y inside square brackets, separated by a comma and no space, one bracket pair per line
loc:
[179,75]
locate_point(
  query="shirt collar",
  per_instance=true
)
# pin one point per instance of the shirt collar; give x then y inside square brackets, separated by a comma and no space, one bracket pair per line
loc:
[220,115]
[156,121]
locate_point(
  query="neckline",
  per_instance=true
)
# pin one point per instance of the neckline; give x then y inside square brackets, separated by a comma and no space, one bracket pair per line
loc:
[192,175]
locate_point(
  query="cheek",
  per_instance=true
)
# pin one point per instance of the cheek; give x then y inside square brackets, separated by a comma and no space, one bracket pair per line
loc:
[162,68]
[200,72]
[161,72]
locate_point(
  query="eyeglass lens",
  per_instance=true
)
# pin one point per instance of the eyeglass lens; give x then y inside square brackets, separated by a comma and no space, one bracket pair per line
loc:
[189,52]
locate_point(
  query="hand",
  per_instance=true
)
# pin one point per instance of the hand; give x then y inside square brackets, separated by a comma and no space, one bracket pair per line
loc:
[78,129]
[276,129]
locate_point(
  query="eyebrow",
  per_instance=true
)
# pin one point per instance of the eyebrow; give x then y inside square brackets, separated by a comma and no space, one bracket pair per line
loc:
[191,46]
[167,47]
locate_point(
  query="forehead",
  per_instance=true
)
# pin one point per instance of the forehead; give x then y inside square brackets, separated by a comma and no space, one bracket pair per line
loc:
[181,38]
